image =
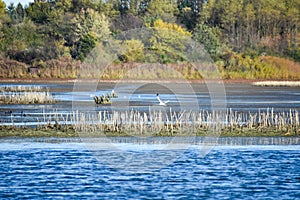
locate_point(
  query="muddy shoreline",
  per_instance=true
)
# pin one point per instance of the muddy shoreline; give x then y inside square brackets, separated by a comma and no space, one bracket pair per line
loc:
[71,81]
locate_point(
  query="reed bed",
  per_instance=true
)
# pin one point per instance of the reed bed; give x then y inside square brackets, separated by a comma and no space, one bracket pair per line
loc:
[201,123]
[25,95]
[162,123]
[278,83]
[22,88]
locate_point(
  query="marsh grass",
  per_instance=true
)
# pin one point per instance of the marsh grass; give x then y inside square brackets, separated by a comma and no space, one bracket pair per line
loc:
[25,95]
[202,123]
[162,123]
[21,88]
[29,132]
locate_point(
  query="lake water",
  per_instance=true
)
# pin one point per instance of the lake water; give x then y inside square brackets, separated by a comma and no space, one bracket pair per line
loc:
[67,170]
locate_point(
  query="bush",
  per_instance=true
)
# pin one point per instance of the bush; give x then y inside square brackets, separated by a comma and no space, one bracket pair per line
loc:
[12,69]
[261,67]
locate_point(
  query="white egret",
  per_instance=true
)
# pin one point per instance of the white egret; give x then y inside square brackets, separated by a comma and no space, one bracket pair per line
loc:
[161,103]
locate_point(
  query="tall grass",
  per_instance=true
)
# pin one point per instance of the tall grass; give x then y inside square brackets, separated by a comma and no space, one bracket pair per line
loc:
[189,123]
[21,88]
[234,66]
[56,68]
[186,123]
[25,95]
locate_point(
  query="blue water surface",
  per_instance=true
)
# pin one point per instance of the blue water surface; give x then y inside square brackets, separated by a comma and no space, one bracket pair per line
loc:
[38,170]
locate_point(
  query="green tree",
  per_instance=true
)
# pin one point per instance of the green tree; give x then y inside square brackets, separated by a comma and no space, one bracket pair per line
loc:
[248,21]
[17,14]
[162,9]
[189,11]
[208,37]
[2,34]
[63,6]
[108,9]
[291,27]
[21,41]
[126,22]
[20,13]
[79,5]
[167,42]
[134,6]
[133,51]
[87,28]
[11,11]
[230,20]
[40,11]
[97,24]
[83,47]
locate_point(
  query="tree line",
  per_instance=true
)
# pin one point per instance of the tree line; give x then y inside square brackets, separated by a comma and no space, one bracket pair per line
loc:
[230,30]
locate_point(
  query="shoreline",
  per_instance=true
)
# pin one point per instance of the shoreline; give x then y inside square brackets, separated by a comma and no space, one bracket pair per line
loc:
[277,83]
[69,132]
[170,141]
[73,80]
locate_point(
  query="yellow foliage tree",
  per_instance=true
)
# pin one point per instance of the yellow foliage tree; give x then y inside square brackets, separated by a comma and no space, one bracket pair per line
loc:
[133,50]
[168,41]
[160,24]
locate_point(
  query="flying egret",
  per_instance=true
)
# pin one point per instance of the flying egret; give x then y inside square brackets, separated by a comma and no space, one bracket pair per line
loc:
[161,103]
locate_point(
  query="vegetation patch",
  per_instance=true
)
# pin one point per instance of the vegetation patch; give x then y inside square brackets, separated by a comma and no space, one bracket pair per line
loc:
[249,40]
[163,124]
[27,132]
[25,95]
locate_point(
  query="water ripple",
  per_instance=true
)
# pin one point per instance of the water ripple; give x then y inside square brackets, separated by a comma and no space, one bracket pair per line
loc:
[253,172]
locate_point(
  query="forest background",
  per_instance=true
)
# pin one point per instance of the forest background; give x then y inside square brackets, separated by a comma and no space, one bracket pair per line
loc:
[247,39]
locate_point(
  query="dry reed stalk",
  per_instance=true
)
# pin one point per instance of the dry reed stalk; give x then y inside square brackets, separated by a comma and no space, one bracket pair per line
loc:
[135,122]
[21,88]
[27,98]
[25,95]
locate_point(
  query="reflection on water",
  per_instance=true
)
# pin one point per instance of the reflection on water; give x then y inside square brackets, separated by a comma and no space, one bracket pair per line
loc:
[35,170]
